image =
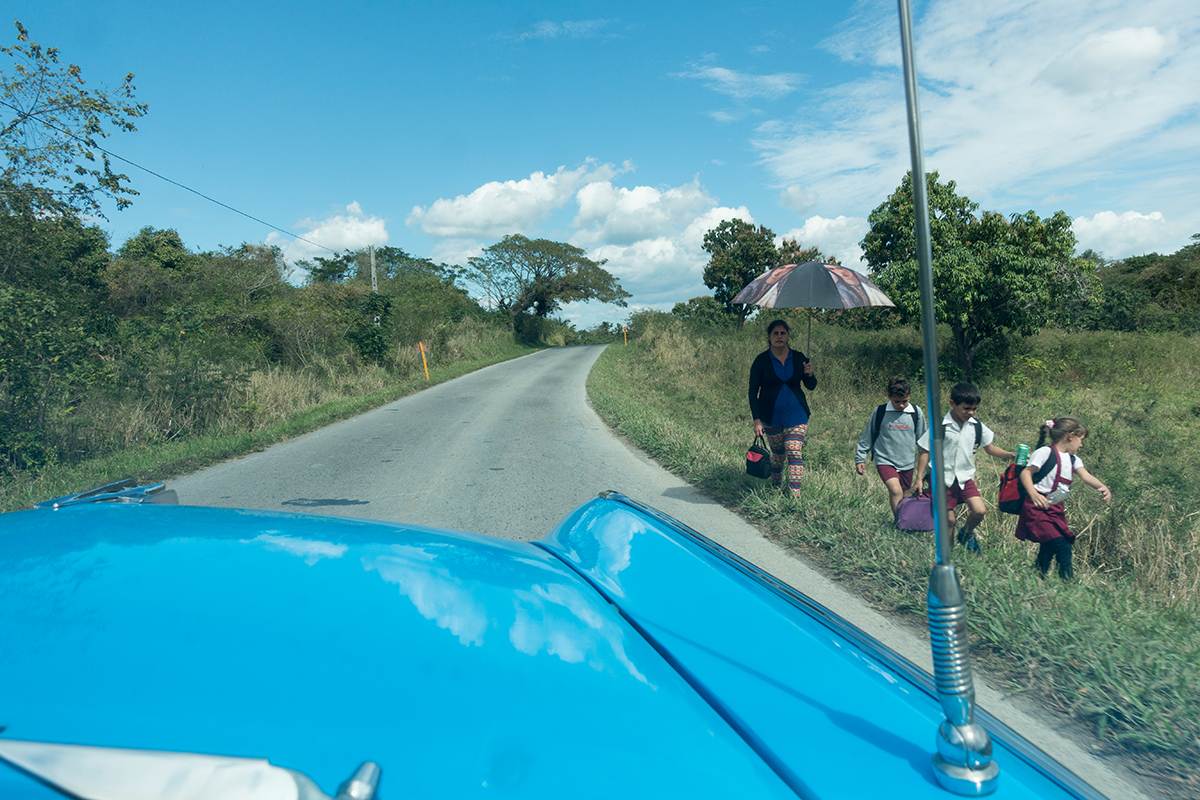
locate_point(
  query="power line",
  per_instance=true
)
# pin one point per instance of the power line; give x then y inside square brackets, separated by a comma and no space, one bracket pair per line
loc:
[160,176]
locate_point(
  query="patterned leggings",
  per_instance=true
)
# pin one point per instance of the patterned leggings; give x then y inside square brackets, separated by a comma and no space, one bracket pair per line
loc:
[787,443]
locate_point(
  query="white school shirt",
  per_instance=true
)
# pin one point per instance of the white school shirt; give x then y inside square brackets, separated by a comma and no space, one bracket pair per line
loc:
[1040,456]
[958,449]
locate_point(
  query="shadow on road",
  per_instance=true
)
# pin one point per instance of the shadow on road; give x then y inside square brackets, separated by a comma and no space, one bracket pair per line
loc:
[689,494]
[312,502]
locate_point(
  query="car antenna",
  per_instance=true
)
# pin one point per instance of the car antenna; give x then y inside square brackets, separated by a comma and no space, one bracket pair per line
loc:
[963,762]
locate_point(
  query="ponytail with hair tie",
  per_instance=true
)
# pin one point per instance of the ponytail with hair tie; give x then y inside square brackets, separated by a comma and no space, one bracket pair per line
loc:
[1044,431]
[1057,429]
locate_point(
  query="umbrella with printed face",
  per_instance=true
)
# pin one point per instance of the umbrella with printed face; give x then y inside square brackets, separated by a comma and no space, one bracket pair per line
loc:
[812,285]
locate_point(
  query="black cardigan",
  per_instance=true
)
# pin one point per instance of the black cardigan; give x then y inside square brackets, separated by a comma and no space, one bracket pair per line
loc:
[765,384]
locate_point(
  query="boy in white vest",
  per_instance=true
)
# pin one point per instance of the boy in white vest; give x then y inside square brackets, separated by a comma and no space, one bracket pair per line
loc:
[963,435]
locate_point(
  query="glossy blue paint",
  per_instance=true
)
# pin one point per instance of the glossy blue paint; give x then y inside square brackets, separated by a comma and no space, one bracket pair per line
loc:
[464,666]
[827,712]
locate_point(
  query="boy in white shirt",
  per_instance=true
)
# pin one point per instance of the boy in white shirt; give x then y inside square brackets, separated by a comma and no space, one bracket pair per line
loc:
[963,434]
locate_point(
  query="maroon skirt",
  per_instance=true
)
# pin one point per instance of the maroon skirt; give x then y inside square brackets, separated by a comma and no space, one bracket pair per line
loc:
[1043,524]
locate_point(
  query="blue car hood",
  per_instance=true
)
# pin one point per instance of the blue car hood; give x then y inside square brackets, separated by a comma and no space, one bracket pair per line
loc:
[462,665]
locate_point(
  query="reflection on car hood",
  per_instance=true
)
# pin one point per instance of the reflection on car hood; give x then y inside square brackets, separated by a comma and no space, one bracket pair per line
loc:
[836,713]
[462,665]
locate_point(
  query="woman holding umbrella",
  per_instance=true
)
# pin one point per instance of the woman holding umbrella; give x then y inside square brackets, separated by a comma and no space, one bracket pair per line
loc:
[777,400]
[778,404]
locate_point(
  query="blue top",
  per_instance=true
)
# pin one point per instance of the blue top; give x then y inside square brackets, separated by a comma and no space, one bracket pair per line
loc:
[788,411]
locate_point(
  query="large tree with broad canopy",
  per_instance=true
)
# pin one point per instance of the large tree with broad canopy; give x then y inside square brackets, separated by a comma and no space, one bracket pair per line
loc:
[994,276]
[533,277]
[738,252]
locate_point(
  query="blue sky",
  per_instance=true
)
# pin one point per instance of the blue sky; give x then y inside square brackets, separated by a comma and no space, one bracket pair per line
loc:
[631,128]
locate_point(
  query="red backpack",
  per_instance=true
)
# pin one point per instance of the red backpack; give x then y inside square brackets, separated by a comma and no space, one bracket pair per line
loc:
[1011,496]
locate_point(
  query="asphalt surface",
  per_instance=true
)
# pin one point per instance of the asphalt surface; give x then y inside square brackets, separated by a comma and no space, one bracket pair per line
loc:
[509,451]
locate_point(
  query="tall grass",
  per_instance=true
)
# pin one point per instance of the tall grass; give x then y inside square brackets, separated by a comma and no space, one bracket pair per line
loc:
[150,437]
[1119,648]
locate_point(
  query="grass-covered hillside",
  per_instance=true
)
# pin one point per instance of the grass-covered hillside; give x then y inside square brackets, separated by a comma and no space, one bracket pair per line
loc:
[1118,648]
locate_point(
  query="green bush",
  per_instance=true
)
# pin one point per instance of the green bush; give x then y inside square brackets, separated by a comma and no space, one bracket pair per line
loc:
[48,359]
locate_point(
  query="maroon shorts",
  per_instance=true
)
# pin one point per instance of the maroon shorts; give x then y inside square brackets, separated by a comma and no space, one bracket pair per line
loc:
[887,472]
[958,493]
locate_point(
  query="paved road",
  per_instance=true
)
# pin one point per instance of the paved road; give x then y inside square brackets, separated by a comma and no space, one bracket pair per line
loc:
[510,450]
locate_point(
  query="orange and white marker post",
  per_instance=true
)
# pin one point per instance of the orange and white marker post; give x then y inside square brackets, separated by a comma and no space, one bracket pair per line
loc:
[424,363]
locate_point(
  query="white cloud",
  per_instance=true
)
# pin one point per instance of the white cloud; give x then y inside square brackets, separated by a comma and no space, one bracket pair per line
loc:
[744,85]
[837,237]
[723,117]
[1018,100]
[456,251]
[348,231]
[617,215]
[693,235]
[566,29]
[1103,62]
[1130,233]
[649,266]
[662,269]
[650,237]
[798,198]
[498,208]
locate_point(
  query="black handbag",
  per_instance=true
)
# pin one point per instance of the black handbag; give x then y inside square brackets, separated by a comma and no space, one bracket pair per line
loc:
[758,459]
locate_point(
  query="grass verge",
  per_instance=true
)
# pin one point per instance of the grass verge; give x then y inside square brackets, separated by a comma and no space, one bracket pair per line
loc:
[160,460]
[1118,649]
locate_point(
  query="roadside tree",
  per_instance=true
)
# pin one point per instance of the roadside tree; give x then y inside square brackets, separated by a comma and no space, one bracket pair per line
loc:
[738,252]
[391,262]
[705,312]
[330,269]
[995,277]
[792,252]
[528,279]
[51,125]
[1152,292]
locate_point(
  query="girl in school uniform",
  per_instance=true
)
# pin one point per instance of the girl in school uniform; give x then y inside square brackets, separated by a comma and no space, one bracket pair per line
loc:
[1043,519]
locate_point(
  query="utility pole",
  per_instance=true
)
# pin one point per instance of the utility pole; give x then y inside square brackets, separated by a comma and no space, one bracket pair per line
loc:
[374,280]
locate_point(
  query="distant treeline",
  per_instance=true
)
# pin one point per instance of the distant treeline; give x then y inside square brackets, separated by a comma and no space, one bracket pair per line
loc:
[101,350]
[1153,292]
[997,279]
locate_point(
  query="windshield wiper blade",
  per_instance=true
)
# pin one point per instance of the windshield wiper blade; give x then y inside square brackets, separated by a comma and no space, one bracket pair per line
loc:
[109,773]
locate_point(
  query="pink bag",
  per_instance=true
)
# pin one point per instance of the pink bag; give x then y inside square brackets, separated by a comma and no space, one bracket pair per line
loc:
[915,513]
